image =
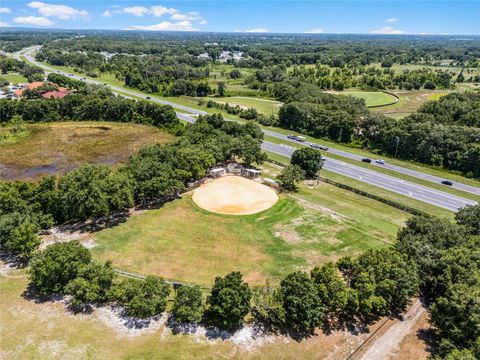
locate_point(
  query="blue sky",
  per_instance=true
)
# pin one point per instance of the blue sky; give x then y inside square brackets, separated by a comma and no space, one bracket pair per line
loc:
[341,16]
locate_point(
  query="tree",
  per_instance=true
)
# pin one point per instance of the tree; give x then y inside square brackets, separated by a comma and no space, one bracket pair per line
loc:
[188,305]
[308,159]
[290,177]
[331,288]
[469,216]
[304,310]
[53,268]
[141,298]
[92,283]
[222,89]
[229,301]
[24,240]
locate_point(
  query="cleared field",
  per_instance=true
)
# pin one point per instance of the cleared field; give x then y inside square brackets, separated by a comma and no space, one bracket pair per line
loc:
[14,78]
[55,148]
[184,242]
[409,102]
[372,98]
[263,106]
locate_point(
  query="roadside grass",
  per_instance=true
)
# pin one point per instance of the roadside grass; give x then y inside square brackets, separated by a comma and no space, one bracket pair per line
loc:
[419,205]
[55,148]
[14,78]
[183,242]
[263,106]
[372,98]
[383,170]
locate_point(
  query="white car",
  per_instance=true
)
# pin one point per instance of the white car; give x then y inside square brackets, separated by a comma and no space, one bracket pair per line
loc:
[380,161]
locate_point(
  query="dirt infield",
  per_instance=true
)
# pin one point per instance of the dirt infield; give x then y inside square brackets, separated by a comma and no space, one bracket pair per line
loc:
[234,195]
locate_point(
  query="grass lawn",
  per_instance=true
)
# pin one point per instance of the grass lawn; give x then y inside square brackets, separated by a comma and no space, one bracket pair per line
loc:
[372,98]
[182,241]
[14,78]
[51,148]
[263,106]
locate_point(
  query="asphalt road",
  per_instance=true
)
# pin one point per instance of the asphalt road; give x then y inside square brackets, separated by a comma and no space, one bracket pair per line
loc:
[418,192]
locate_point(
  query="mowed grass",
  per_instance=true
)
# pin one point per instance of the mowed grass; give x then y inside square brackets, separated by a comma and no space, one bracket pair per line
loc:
[372,98]
[263,106]
[54,148]
[183,242]
[14,78]
[46,330]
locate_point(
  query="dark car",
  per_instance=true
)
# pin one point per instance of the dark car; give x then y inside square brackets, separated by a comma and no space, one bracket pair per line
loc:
[367,160]
[291,137]
[148,97]
[447,182]
[323,147]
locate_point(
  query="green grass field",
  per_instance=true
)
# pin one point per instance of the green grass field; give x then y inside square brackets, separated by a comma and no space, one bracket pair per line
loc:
[263,106]
[372,98]
[14,78]
[51,148]
[183,242]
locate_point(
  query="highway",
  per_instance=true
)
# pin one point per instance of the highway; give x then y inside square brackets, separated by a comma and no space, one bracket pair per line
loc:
[402,187]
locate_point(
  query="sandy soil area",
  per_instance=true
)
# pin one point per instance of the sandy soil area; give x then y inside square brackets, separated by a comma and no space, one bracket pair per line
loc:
[234,195]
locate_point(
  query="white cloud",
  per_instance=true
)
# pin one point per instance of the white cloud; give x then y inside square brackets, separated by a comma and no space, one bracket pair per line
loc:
[391,20]
[33,20]
[166,26]
[136,10]
[203,22]
[162,10]
[4,10]
[4,24]
[387,30]
[315,31]
[257,30]
[107,13]
[63,12]
[191,16]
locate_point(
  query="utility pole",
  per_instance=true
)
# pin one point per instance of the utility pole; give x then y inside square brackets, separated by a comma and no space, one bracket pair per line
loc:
[320,165]
[397,139]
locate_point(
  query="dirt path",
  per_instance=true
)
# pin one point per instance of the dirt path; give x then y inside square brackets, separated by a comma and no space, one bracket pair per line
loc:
[386,345]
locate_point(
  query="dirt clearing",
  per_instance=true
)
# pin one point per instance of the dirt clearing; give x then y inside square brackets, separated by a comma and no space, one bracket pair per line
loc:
[234,195]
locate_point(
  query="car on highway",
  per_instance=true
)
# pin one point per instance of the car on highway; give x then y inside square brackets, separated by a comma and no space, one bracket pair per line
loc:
[290,136]
[367,160]
[380,161]
[324,158]
[447,182]
[318,146]
[300,138]
[148,98]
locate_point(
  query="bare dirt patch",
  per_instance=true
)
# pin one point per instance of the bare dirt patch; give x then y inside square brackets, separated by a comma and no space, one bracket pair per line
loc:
[234,195]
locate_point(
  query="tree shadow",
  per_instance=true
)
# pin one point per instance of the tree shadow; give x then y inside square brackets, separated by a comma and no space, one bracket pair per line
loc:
[13,260]
[31,294]
[181,328]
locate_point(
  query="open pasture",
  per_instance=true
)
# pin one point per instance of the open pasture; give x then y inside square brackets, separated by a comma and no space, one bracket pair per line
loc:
[55,148]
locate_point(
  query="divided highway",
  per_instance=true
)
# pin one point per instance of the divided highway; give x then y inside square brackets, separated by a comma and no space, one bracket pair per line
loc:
[402,187]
